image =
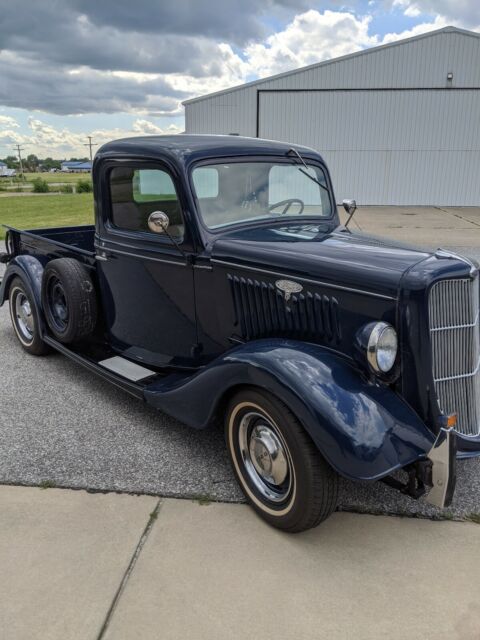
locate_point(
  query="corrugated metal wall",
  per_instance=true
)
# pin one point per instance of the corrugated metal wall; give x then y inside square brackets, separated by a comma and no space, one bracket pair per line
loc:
[406,135]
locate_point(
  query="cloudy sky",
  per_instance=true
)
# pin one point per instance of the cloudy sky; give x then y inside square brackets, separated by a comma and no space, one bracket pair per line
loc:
[112,68]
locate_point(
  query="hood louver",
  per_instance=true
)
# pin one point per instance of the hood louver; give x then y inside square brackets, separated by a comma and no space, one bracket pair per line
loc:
[261,311]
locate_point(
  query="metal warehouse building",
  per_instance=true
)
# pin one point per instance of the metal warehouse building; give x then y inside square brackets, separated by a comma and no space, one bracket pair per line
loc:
[397,124]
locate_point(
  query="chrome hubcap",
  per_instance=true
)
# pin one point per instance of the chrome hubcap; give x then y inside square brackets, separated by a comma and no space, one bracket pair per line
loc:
[265,456]
[24,316]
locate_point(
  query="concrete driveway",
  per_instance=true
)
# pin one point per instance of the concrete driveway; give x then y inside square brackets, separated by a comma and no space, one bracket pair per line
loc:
[117,567]
[60,425]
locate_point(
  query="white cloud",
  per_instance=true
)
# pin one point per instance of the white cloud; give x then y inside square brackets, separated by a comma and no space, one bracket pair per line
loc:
[412,11]
[8,121]
[146,127]
[438,23]
[462,13]
[309,38]
[46,140]
[225,69]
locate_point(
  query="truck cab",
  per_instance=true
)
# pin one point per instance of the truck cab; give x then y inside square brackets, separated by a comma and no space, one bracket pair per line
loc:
[219,285]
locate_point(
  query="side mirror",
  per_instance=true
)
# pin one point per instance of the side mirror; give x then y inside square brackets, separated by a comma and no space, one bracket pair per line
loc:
[350,206]
[158,222]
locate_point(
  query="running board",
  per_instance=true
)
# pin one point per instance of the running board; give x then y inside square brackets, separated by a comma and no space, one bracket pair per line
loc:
[135,388]
[126,368]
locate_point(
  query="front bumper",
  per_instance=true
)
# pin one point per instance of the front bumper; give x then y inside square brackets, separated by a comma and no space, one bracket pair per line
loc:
[443,456]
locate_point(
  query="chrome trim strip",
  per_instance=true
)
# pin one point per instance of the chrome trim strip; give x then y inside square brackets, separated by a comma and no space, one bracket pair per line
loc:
[207,267]
[136,255]
[235,265]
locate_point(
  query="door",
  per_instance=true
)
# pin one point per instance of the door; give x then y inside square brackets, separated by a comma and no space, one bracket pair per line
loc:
[145,278]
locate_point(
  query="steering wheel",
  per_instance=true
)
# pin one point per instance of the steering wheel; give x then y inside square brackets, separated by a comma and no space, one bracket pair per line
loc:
[288,203]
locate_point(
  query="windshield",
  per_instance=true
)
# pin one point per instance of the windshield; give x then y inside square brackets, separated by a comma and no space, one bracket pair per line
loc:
[241,191]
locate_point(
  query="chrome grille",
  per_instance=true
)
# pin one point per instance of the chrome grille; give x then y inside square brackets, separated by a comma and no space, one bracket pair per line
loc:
[455,339]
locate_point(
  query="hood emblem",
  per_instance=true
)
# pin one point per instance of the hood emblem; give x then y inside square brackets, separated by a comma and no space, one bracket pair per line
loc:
[287,288]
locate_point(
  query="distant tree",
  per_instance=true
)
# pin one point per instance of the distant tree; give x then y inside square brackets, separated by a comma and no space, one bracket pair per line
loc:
[50,163]
[11,162]
[78,160]
[32,162]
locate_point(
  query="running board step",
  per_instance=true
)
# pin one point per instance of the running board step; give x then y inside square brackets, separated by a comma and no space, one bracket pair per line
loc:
[126,368]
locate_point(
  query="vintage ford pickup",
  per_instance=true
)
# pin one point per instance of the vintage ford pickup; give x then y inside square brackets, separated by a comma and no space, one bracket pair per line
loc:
[219,284]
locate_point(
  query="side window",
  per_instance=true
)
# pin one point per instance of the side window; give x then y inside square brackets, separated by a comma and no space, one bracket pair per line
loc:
[136,193]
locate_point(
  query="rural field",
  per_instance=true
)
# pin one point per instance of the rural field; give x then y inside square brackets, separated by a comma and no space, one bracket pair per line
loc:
[55,181]
[57,178]
[29,212]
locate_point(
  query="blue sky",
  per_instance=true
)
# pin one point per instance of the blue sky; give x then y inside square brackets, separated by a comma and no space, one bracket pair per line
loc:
[82,67]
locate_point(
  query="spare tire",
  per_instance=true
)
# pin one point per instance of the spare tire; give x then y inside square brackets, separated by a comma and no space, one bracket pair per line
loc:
[68,299]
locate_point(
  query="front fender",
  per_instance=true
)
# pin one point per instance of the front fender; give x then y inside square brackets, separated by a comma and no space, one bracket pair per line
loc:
[364,430]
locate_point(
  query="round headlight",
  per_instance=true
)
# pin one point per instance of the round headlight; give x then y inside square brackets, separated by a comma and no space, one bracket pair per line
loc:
[382,347]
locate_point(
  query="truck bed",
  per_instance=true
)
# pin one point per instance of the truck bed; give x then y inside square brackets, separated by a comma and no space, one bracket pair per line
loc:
[55,242]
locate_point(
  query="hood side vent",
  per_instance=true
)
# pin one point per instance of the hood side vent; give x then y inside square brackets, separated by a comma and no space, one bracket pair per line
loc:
[261,311]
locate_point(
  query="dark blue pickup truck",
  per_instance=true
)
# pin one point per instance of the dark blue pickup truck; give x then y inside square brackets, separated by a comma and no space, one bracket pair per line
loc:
[219,285]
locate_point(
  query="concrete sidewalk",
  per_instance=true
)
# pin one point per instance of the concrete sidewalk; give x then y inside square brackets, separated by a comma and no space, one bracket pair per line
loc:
[91,566]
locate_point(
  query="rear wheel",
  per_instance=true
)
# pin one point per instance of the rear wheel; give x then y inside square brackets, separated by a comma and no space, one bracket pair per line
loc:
[280,471]
[24,318]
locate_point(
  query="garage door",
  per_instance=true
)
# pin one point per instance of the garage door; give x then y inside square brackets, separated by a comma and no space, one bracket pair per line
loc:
[417,147]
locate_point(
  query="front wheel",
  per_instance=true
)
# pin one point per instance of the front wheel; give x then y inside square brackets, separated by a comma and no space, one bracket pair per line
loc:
[280,471]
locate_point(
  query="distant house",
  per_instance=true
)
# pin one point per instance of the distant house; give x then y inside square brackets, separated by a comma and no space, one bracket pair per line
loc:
[5,172]
[76,167]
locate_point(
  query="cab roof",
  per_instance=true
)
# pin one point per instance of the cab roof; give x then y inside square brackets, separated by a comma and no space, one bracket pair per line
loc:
[187,148]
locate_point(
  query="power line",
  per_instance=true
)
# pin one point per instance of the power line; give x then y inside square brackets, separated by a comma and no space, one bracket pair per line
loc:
[19,149]
[90,144]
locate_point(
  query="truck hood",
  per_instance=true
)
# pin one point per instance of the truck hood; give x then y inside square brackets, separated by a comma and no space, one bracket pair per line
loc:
[350,259]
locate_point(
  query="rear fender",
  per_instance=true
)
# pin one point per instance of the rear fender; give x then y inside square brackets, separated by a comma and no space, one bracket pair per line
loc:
[30,270]
[364,430]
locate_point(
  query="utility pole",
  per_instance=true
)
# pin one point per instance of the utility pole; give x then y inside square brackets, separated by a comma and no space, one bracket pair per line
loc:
[90,144]
[19,149]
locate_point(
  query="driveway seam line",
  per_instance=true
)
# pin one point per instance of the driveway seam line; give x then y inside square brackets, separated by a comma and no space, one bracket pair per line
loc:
[456,215]
[129,569]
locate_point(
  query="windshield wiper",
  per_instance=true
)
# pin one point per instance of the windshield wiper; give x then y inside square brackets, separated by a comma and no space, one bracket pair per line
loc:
[292,150]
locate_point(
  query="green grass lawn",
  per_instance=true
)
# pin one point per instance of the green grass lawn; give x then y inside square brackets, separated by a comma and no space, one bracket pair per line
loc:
[58,177]
[29,212]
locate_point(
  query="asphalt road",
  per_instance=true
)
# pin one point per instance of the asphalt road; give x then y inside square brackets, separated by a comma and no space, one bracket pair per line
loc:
[62,425]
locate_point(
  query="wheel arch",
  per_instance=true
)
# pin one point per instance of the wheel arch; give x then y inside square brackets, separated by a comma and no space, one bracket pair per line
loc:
[30,270]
